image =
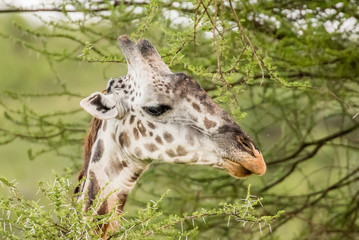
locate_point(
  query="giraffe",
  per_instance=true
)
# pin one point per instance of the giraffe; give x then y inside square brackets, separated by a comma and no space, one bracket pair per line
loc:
[154,115]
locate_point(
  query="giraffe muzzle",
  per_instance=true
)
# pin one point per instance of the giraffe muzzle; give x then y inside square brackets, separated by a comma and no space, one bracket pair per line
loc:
[247,164]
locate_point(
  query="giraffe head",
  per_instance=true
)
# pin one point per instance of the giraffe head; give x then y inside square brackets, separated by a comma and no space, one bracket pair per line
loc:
[157,115]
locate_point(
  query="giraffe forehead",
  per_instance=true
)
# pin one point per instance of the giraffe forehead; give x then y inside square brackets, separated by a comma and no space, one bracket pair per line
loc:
[155,87]
[184,95]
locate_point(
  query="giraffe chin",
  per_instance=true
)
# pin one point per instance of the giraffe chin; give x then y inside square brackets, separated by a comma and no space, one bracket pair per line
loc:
[245,168]
[236,170]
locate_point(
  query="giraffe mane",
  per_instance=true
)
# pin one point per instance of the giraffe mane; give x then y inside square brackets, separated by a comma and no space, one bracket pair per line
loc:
[88,143]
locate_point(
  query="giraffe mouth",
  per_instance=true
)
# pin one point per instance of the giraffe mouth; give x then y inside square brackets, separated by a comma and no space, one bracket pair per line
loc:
[246,165]
[236,169]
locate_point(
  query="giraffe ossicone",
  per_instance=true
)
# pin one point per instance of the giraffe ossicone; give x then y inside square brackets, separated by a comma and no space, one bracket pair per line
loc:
[152,114]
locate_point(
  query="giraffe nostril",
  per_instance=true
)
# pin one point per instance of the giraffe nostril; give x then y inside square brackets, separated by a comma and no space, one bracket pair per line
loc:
[246,144]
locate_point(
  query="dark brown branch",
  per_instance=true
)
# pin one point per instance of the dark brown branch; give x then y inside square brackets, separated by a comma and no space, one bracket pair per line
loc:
[341,183]
[293,167]
[345,181]
[317,142]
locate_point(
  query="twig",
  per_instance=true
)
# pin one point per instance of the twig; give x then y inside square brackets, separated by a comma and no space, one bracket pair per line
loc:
[240,28]
[316,142]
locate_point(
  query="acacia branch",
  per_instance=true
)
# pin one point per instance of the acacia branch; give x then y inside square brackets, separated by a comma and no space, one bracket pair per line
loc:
[241,29]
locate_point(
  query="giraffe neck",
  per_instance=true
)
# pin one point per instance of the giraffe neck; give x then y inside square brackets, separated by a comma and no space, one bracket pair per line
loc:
[110,170]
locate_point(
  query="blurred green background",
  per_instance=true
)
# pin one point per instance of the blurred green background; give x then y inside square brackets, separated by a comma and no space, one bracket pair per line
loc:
[25,71]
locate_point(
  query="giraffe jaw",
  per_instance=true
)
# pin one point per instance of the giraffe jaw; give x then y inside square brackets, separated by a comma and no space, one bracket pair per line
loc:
[236,169]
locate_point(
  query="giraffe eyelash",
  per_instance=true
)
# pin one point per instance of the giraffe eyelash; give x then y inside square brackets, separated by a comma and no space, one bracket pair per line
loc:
[157,110]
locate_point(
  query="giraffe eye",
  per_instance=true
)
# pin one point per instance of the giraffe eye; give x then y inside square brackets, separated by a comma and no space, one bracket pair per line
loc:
[157,110]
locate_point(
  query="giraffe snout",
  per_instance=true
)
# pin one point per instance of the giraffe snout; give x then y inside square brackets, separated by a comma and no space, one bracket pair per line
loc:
[246,166]
[245,160]
[255,164]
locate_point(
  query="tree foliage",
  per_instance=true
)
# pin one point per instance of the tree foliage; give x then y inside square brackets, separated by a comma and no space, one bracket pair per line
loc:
[286,71]
[24,219]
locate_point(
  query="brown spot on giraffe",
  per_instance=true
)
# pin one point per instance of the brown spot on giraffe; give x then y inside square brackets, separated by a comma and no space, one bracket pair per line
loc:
[98,151]
[124,164]
[124,140]
[158,139]
[209,124]
[181,151]
[196,107]
[135,133]
[103,208]
[168,137]
[132,119]
[151,125]
[115,167]
[122,198]
[141,128]
[135,176]
[93,189]
[151,147]
[170,153]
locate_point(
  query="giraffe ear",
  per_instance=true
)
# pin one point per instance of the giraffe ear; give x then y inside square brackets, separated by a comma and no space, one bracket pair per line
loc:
[100,106]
